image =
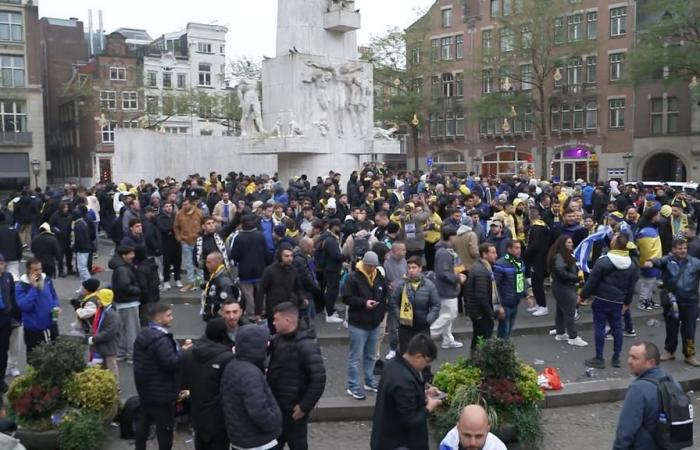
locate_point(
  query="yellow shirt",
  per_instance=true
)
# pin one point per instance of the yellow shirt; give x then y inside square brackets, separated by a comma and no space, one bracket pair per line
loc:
[433,235]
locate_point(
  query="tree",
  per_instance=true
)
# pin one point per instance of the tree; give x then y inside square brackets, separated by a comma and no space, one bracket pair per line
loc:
[530,49]
[669,42]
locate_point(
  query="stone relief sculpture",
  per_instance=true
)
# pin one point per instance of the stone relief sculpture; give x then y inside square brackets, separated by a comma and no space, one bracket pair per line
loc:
[251,116]
[387,135]
[323,127]
[295,129]
[343,77]
[278,130]
[338,5]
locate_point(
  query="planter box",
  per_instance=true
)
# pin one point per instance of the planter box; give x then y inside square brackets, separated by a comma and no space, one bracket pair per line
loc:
[38,440]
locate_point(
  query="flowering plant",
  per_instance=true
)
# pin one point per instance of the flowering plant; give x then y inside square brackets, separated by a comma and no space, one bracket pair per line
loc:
[35,403]
[95,390]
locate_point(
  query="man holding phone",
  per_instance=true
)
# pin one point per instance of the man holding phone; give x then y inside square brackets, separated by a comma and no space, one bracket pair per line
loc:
[37,298]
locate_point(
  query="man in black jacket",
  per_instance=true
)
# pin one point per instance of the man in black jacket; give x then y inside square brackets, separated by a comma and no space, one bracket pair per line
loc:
[219,288]
[296,374]
[401,411]
[156,361]
[536,259]
[10,246]
[127,295]
[172,250]
[45,247]
[60,223]
[482,299]
[82,244]
[331,261]
[306,270]
[245,251]
[280,283]
[202,368]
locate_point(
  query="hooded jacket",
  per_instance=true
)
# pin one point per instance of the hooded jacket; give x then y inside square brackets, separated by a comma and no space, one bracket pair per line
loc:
[202,369]
[426,303]
[279,284]
[649,245]
[60,223]
[613,278]
[10,243]
[360,287]
[505,274]
[156,361]
[125,283]
[681,277]
[252,416]
[296,375]
[446,280]
[106,337]
[245,252]
[45,247]
[36,305]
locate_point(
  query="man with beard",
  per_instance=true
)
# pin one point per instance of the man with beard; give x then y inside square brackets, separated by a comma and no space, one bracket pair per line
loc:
[522,221]
[208,242]
[37,298]
[219,288]
[472,432]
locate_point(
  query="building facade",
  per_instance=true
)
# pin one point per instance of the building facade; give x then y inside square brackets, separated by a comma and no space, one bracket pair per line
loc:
[22,149]
[589,107]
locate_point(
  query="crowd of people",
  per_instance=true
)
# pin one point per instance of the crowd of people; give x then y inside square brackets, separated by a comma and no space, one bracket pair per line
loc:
[404,253]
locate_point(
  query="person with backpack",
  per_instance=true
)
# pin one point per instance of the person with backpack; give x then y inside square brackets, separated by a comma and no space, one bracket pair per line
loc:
[656,413]
[357,244]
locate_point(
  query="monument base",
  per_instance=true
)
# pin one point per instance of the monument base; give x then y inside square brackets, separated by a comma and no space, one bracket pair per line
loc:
[290,165]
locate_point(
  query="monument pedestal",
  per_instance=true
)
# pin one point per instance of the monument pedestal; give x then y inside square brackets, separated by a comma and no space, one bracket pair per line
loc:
[342,21]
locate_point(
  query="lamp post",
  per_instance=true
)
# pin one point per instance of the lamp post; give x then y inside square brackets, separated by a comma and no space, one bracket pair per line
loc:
[414,124]
[627,158]
[36,168]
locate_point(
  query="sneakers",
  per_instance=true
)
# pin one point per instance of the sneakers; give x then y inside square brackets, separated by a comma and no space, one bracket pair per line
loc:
[166,286]
[453,344]
[187,288]
[532,309]
[577,342]
[667,356]
[561,337]
[333,318]
[356,394]
[541,311]
[577,315]
[595,363]
[644,307]
[615,363]
[609,337]
[390,355]
[178,283]
[13,372]
[655,305]
[372,387]
[553,332]
[692,361]
[631,334]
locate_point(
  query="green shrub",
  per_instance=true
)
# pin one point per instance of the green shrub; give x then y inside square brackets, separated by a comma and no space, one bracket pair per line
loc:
[450,377]
[95,390]
[56,361]
[496,358]
[81,430]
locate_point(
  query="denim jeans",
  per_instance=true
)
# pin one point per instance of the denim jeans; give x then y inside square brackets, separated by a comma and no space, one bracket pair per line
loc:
[81,260]
[362,346]
[505,326]
[187,255]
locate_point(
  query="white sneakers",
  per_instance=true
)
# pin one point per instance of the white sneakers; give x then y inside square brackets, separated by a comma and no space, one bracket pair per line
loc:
[532,309]
[541,311]
[166,286]
[178,283]
[390,355]
[334,318]
[578,342]
[453,344]
[13,372]
[561,337]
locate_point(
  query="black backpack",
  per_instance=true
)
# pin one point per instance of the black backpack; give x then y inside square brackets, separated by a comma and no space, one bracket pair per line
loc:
[674,426]
[360,247]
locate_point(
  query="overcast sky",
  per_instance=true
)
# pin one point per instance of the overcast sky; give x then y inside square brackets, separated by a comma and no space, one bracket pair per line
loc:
[251,23]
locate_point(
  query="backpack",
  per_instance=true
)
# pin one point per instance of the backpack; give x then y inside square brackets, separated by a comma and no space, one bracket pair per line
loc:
[430,275]
[674,426]
[360,247]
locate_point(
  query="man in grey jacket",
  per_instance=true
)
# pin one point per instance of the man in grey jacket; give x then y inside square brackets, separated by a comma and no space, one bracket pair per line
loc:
[448,282]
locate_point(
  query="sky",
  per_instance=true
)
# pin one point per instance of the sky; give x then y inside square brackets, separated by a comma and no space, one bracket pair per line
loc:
[251,24]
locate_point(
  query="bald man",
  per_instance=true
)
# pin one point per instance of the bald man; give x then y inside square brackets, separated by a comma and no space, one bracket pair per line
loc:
[472,432]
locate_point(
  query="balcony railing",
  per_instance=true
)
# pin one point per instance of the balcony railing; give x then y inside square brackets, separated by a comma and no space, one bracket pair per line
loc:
[16,139]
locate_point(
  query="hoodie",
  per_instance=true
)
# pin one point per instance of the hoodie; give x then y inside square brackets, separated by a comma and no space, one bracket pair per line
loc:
[446,280]
[125,285]
[36,305]
[613,278]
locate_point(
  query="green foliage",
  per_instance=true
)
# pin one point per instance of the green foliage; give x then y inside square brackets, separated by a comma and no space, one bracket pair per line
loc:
[528,423]
[527,384]
[81,430]
[95,390]
[450,377]
[496,358]
[448,415]
[56,361]
[31,402]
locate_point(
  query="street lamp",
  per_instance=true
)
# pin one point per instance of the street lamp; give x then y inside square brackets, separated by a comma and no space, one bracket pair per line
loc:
[627,158]
[36,168]
[414,123]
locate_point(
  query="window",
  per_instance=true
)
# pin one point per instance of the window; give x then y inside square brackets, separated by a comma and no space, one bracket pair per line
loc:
[495,8]
[168,105]
[441,125]
[152,78]
[657,116]
[11,26]
[558,30]
[591,67]
[459,46]
[14,116]
[152,104]
[167,80]
[108,100]
[181,81]
[487,81]
[417,85]
[591,115]
[108,132]
[526,77]
[506,39]
[450,124]
[460,124]
[459,85]
[447,17]
[435,50]
[203,47]
[526,36]
[204,75]
[592,25]
[446,44]
[575,23]
[556,118]
[117,73]
[672,115]
[618,21]
[130,100]
[433,125]
[617,66]
[578,116]
[130,124]
[448,85]
[12,69]
[435,88]
[617,113]
[527,121]
[574,71]
[487,40]
[507,7]
[222,49]
[565,117]
[415,55]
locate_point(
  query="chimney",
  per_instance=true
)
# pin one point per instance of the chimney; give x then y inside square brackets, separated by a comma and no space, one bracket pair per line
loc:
[101,31]
[90,33]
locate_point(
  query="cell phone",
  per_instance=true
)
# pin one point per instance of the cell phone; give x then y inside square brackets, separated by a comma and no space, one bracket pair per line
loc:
[440,396]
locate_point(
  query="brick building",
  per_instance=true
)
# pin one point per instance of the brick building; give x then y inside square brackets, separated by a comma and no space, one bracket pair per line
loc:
[590,108]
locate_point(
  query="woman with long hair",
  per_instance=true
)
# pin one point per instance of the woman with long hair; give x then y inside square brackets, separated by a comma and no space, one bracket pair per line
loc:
[562,266]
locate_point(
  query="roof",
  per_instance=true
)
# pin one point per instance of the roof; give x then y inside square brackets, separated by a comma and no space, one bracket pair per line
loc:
[134,34]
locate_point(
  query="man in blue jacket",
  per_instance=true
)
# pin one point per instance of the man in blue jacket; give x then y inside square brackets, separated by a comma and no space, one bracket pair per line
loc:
[156,361]
[37,298]
[509,274]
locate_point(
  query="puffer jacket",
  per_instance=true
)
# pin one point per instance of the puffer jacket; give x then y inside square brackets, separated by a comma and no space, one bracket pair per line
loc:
[479,291]
[563,273]
[125,283]
[446,280]
[613,278]
[681,277]
[296,375]
[252,416]
[156,361]
[357,290]
[426,303]
[505,274]
[36,305]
